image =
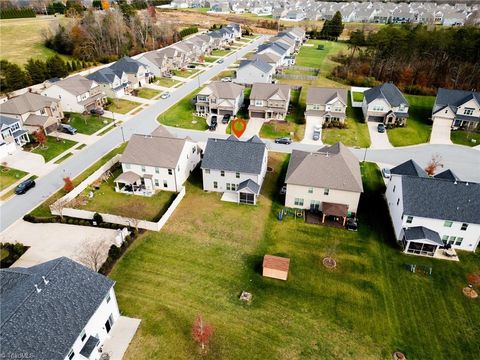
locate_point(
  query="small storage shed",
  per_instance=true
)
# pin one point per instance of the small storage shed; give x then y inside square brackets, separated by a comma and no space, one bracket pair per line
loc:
[276,267]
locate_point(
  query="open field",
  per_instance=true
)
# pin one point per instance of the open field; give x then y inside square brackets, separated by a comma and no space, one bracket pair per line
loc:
[88,124]
[202,260]
[22,39]
[9,176]
[465,137]
[122,106]
[53,147]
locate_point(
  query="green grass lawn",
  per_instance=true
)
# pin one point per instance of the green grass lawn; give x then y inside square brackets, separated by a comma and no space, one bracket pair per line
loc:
[146,93]
[181,115]
[122,106]
[185,73]
[9,176]
[87,124]
[419,127]
[106,200]
[166,82]
[63,158]
[357,96]
[355,133]
[367,308]
[53,148]
[299,72]
[209,59]
[225,73]
[219,52]
[462,137]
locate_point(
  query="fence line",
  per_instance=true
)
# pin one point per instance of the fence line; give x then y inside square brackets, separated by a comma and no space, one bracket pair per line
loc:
[295,77]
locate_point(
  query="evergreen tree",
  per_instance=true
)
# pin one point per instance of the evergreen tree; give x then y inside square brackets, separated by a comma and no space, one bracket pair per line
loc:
[56,67]
[37,70]
[12,77]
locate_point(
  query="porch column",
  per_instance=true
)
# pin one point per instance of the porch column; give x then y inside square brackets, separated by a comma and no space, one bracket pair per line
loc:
[323,218]
[407,245]
[344,220]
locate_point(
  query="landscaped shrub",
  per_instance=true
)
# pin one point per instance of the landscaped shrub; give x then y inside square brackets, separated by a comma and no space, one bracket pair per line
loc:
[97,218]
[115,252]
[10,253]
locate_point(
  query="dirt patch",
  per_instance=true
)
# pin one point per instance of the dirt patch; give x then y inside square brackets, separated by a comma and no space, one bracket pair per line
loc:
[329,263]
[474,279]
[469,292]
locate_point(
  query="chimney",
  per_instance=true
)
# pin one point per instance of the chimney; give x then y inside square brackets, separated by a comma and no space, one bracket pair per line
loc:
[37,288]
[45,281]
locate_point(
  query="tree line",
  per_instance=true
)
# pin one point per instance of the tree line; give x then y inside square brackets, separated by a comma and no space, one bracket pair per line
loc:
[188,31]
[418,59]
[14,13]
[331,29]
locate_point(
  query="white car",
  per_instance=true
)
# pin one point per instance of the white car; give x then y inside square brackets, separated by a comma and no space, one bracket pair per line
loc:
[316,132]
[386,173]
[165,95]
[227,79]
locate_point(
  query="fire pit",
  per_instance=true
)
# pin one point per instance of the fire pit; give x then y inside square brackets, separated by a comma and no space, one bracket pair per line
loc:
[329,263]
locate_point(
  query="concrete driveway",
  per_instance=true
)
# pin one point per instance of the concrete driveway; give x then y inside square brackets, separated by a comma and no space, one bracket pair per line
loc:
[26,161]
[310,123]
[441,132]
[253,128]
[378,140]
[50,241]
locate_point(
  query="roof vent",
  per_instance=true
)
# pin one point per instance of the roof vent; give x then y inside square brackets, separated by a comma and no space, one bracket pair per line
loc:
[45,281]
[455,182]
[37,288]
[466,184]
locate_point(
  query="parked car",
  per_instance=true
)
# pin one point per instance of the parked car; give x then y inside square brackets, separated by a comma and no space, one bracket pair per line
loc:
[386,173]
[283,140]
[213,126]
[24,186]
[226,118]
[213,119]
[167,75]
[352,224]
[316,132]
[68,129]
[283,190]
[220,61]
[165,95]
[381,128]
[97,111]
[191,66]
[227,79]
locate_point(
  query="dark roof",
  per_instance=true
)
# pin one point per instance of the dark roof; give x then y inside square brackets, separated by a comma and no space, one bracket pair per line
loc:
[126,65]
[387,91]
[7,121]
[258,63]
[234,155]
[47,323]
[409,168]
[440,199]
[249,184]
[423,233]
[447,175]
[103,76]
[453,98]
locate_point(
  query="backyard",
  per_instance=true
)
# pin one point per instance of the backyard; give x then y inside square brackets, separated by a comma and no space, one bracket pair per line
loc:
[87,124]
[201,261]
[463,137]
[9,176]
[52,147]
[419,127]
[121,106]
[147,93]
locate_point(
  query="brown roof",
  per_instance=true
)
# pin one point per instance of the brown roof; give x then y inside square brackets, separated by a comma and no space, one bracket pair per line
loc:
[322,95]
[334,209]
[224,90]
[76,84]
[36,120]
[128,177]
[263,91]
[25,103]
[276,262]
[333,167]
[267,57]
[161,131]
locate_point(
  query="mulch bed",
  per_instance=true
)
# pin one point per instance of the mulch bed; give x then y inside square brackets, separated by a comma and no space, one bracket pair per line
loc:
[474,279]
[469,292]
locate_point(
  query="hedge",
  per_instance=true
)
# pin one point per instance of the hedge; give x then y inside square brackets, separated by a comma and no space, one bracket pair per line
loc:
[188,31]
[13,13]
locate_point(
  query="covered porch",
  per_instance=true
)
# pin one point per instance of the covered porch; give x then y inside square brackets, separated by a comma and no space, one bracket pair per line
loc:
[395,118]
[132,183]
[334,212]
[419,240]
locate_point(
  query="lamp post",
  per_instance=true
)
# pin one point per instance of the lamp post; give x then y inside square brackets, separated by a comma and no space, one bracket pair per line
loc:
[365,155]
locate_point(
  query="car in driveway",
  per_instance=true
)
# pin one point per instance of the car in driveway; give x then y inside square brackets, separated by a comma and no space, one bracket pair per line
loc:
[381,128]
[24,186]
[226,118]
[220,61]
[316,133]
[97,111]
[191,66]
[165,95]
[213,119]
[212,126]
[386,173]
[168,75]
[352,224]
[227,79]
[283,140]
[68,129]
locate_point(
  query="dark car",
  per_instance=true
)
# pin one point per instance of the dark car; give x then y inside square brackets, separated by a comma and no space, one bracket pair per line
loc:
[352,224]
[97,111]
[220,61]
[212,127]
[24,186]
[381,128]
[226,118]
[284,140]
[213,120]
[68,129]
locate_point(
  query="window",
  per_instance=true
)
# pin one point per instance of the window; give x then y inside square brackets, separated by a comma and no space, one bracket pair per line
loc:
[157,170]
[468,111]
[459,241]
[228,186]
[83,335]
[394,187]
[207,171]
[71,354]
[445,239]
[222,173]
[409,219]
[398,201]
[157,184]
[215,185]
[448,223]
[377,108]
[337,109]
[170,171]
[165,184]
[316,107]
[451,240]
[326,191]
[193,149]
[310,190]
[237,175]
[258,103]
[108,298]
[143,168]
[298,201]
[464,226]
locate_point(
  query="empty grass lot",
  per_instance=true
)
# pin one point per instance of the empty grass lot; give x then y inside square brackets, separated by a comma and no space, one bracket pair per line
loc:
[185,73]
[146,93]
[53,148]
[88,124]
[366,308]
[219,52]
[9,176]
[418,127]
[166,82]
[121,106]
[462,137]
[181,115]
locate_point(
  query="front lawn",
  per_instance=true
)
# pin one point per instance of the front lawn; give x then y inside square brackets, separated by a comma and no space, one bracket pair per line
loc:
[367,308]
[166,82]
[87,124]
[147,93]
[419,127]
[53,147]
[209,59]
[185,73]
[121,106]
[9,176]
[463,137]
[181,115]
[219,52]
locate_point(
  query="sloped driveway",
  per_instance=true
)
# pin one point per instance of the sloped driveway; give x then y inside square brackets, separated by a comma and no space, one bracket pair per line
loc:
[441,132]
[378,140]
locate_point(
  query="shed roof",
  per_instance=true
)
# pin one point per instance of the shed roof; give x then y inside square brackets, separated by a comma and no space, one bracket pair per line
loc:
[276,262]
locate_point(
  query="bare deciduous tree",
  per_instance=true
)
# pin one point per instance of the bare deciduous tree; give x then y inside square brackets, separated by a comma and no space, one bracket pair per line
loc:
[60,205]
[93,253]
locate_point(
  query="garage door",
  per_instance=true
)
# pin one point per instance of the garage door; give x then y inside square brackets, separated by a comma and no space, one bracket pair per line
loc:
[224,112]
[257,114]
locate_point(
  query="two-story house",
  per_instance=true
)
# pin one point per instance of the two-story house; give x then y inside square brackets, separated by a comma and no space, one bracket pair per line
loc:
[254,71]
[155,61]
[326,181]
[326,105]
[77,94]
[235,168]
[429,213]
[219,98]
[278,48]
[112,85]
[457,108]
[385,103]
[156,162]
[138,74]
[34,111]
[269,101]
[57,310]
[11,135]
[175,59]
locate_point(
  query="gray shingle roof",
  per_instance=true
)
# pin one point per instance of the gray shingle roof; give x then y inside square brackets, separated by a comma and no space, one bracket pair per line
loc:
[258,63]
[440,199]
[409,168]
[25,103]
[249,184]
[453,98]
[76,84]
[234,155]
[103,76]
[322,95]
[46,324]
[423,233]
[387,91]
[8,121]
[447,175]
[126,65]
[264,91]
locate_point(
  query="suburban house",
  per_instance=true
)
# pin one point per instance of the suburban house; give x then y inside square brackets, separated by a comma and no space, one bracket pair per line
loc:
[430,213]
[326,181]
[175,58]
[156,162]
[269,101]
[457,108]
[56,310]
[277,48]
[77,94]
[155,61]
[11,135]
[385,103]
[236,168]
[34,111]
[254,71]
[326,105]
[272,59]
[137,73]
[111,84]
[219,98]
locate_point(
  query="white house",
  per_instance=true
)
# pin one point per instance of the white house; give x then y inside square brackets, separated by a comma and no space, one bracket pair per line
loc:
[58,310]
[457,108]
[254,71]
[112,85]
[11,135]
[236,168]
[441,210]
[138,74]
[156,162]
[385,103]
[77,93]
[326,104]
[326,181]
